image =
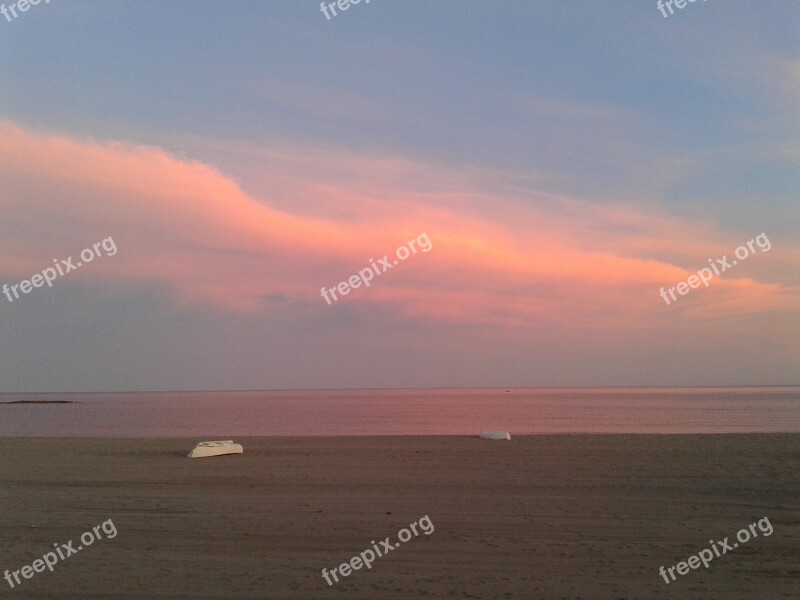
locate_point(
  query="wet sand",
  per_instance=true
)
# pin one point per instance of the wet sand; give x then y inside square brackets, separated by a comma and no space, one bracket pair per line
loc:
[580,516]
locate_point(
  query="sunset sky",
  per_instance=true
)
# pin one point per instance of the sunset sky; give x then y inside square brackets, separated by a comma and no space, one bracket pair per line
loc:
[566,160]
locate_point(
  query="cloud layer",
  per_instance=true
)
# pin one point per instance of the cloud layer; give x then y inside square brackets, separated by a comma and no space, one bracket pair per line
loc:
[503,254]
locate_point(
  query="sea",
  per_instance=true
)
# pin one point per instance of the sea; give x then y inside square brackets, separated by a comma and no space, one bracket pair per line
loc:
[382,412]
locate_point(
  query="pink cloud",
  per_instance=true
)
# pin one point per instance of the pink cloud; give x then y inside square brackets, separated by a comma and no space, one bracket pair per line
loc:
[501,256]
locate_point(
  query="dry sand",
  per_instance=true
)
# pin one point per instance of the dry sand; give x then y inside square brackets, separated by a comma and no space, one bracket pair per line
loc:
[537,517]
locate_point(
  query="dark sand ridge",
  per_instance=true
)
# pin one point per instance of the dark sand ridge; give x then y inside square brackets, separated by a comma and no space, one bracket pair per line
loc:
[548,517]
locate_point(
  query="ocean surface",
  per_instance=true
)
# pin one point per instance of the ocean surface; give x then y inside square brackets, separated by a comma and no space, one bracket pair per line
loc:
[404,412]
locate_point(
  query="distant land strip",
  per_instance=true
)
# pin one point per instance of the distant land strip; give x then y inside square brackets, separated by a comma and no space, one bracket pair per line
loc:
[40,402]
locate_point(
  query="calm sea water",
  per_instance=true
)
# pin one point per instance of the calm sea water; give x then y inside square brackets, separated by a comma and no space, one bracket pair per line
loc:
[405,412]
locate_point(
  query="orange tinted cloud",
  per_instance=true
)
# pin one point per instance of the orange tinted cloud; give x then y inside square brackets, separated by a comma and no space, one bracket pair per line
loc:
[501,256]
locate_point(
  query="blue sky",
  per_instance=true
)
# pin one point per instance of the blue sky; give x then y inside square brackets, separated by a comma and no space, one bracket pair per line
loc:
[666,140]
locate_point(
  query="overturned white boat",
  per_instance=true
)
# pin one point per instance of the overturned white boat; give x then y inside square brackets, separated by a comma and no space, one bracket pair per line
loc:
[495,435]
[218,448]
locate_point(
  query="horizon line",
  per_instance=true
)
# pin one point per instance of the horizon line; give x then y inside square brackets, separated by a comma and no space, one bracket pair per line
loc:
[346,389]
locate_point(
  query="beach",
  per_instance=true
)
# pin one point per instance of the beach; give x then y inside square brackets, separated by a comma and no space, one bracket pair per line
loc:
[545,516]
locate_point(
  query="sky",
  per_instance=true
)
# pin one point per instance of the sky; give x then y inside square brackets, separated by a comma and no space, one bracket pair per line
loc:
[555,164]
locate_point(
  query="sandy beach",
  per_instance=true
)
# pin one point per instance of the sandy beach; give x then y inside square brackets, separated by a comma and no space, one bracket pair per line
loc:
[581,516]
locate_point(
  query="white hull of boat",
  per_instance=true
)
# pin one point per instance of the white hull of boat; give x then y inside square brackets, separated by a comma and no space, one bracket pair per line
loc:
[495,435]
[218,448]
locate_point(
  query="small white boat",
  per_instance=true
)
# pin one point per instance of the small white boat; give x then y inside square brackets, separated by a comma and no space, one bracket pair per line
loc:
[495,435]
[218,448]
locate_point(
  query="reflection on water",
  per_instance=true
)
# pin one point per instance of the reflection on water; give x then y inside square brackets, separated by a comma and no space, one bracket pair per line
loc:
[406,412]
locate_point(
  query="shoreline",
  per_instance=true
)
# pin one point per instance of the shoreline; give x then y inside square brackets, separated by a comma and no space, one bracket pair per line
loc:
[514,436]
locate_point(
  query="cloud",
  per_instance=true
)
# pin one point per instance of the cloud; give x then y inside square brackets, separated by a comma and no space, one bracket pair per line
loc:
[501,256]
